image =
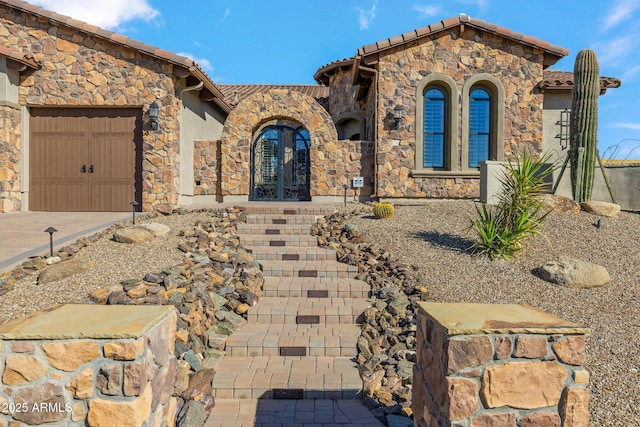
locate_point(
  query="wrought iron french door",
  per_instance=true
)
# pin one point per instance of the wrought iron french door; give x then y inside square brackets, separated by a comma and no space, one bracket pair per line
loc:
[280,164]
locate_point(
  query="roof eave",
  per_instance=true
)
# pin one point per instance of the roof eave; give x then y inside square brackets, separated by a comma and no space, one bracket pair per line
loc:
[371,52]
[322,75]
[125,41]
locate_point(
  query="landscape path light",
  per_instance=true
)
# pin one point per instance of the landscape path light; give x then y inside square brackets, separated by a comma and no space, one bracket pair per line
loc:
[134,205]
[50,230]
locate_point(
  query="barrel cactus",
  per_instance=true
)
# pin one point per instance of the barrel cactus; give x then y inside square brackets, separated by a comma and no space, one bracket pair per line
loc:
[584,124]
[383,210]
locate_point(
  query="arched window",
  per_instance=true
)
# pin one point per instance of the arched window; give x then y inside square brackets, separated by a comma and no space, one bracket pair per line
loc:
[434,128]
[436,125]
[483,104]
[479,126]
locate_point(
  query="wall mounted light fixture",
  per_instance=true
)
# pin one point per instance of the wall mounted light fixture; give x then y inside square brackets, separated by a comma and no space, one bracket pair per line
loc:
[397,115]
[154,111]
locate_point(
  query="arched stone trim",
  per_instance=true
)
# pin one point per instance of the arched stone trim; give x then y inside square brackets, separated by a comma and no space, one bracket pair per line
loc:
[352,116]
[450,88]
[496,90]
[275,104]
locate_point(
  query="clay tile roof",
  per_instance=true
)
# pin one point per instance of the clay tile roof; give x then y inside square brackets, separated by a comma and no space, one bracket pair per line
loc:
[25,58]
[321,76]
[554,50]
[164,55]
[554,79]
[233,94]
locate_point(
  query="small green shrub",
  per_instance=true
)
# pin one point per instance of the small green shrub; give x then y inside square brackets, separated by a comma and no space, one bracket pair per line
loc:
[383,210]
[519,212]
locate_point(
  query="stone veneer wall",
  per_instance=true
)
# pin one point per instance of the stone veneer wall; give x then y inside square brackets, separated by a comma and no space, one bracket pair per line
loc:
[281,104]
[498,379]
[349,159]
[206,164]
[82,70]
[460,57]
[10,131]
[342,101]
[97,382]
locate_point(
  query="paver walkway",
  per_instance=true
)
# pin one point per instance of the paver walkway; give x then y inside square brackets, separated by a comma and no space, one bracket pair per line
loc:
[294,363]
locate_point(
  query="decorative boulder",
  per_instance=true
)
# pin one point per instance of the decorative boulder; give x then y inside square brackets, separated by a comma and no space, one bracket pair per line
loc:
[574,273]
[62,270]
[559,203]
[132,235]
[601,208]
[156,228]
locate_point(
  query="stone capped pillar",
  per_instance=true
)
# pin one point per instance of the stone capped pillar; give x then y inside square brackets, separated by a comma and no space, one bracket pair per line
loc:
[498,365]
[79,365]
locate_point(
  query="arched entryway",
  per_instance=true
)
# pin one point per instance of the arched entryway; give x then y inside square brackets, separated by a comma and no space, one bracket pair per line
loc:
[277,107]
[280,164]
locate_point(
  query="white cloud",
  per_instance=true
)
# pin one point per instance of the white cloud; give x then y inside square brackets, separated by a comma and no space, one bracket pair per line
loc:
[366,17]
[204,63]
[630,73]
[621,11]
[613,52]
[478,3]
[427,11]
[632,126]
[227,12]
[106,14]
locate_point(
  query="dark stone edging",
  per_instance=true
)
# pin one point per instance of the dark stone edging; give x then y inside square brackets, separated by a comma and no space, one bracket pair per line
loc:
[387,345]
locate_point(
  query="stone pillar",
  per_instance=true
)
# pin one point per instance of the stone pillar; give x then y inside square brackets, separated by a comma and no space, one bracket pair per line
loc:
[498,365]
[10,130]
[81,365]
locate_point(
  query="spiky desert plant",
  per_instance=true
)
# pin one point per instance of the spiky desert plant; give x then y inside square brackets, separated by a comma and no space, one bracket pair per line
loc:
[383,210]
[502,229]
[584,124]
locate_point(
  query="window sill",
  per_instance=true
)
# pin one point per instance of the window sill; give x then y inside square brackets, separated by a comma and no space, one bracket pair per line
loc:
[426,173]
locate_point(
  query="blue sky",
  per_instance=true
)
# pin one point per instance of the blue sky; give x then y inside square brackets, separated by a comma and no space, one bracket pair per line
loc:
[286,41]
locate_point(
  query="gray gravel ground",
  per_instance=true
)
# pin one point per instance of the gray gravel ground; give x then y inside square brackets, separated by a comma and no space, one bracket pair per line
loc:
[111,263]
[434,237]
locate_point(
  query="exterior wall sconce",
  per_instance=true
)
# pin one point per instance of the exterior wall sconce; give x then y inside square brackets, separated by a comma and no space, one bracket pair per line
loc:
[397,115]
[154,111]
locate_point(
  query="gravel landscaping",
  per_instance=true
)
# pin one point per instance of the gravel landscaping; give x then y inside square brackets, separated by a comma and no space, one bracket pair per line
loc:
[110,263]
[434,237]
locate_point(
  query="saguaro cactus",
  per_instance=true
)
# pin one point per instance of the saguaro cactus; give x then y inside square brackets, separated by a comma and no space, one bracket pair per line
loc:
[584,124]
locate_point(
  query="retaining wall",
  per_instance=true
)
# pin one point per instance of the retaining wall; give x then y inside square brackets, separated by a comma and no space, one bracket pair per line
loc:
[624,179]
[481,365]
[79,365]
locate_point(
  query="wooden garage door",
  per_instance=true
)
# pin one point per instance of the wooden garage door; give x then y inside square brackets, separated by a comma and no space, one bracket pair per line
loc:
[84,159]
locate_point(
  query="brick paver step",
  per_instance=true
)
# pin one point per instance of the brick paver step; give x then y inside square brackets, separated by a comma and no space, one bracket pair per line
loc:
[314,287]
[274,230]
[301,310]
[284,412]
[291,253]
[295,340]
[278,240]
[307,220]
[269,209]
[287,377]
[330,269]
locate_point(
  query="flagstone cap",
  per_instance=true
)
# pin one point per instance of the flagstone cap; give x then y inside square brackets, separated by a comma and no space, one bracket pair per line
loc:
[463,319]
[70,321]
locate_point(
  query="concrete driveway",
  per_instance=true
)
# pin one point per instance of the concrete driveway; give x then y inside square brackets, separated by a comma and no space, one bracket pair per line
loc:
[22,233]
